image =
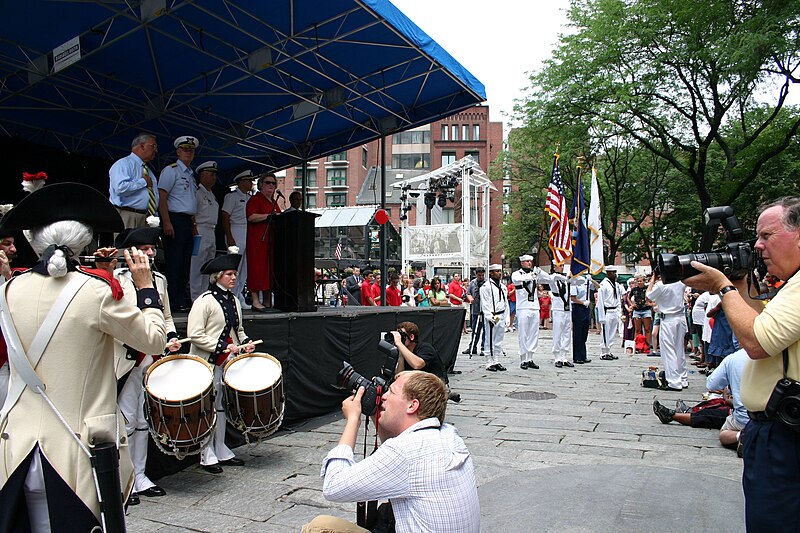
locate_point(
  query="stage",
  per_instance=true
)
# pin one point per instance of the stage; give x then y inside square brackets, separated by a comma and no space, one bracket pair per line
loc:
[311,347]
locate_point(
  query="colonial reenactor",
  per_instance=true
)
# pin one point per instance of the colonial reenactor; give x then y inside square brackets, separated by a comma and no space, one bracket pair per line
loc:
[609,295]
[562,320]
[494,306]
[7,253]
[526,282]
[215,329]
[60,321]
[131,364]
[177,188]
[234,220]
[205,220]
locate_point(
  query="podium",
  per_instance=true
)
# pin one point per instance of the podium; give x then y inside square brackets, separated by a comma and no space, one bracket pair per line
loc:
[293,261]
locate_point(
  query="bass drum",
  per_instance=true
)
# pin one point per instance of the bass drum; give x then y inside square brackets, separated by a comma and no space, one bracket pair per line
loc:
[254,400]
[179,404]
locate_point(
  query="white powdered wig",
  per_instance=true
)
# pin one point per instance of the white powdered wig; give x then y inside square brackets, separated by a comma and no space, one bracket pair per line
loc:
[69,233]
[153,221]
[233,249]
[5,208]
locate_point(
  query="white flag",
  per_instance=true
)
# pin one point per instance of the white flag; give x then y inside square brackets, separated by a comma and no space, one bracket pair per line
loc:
[595,229]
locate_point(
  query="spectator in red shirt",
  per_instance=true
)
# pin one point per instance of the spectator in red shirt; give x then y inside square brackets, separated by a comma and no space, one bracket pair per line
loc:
[366,289]
[394,294]
[512,305]
[456,291]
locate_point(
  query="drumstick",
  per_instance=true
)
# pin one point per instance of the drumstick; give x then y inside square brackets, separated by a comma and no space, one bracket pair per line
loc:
[259,341]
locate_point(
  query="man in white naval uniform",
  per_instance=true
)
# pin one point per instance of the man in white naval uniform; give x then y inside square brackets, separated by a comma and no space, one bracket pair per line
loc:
[669,299]
[608,311]
[561,313]
[526,281]
[234,220]
[206,223]
[494,306]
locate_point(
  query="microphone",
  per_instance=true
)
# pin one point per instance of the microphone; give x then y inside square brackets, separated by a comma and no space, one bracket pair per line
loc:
[279,194]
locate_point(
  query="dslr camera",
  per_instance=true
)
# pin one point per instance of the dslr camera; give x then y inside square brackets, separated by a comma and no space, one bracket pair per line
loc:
[349,379]
[784,403]
[736,260]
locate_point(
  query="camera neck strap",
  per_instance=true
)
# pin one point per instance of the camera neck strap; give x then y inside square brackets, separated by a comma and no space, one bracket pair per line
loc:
[785,362]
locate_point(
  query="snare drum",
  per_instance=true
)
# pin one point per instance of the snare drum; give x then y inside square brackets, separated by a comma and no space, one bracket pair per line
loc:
[179,404]
[254,400]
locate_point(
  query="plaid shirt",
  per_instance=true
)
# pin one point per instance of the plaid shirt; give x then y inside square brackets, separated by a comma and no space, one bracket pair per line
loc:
[426,472]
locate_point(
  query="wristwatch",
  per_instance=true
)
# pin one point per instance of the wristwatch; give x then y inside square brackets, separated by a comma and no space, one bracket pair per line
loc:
[726,289]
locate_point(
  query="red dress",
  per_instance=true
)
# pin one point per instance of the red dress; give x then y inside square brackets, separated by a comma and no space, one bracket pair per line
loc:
[544,306]
[259,243]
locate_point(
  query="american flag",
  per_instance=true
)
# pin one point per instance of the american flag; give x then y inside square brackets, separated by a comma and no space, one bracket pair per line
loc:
[560,241]
[337,253]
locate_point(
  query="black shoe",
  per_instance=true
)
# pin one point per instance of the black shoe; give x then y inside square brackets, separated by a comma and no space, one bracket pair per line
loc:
[492,368]
[213,469]
[579,362]
[673,389]
[681,407]
[614,357]
[524,365]
[466,352]
[662,412]
[153,491]
[567,363]
[454,372]
[533,365]
[607,357]
[133,499]
[587,360]
[501,368]
[454,396]
[559,364]
[233,461]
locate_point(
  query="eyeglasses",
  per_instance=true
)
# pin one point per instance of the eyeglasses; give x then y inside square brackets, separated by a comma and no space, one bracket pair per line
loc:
[154,145]
[270,183]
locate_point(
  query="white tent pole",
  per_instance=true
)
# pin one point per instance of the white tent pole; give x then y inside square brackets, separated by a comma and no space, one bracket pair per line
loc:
[466,208]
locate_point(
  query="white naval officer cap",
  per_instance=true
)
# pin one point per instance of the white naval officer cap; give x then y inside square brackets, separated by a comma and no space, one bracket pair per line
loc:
[244,175]
[187,141]
[208,166]
[526,257]
[495,266]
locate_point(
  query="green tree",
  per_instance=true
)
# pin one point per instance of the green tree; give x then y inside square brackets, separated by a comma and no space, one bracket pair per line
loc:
[700,85]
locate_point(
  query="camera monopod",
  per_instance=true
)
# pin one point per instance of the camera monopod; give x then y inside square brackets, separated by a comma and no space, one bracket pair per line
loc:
[367,512]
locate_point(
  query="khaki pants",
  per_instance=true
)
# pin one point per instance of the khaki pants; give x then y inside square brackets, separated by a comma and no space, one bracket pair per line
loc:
[331,524]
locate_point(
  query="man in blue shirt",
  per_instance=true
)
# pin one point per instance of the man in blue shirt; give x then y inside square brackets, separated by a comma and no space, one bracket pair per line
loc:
[177,186]
[133,188]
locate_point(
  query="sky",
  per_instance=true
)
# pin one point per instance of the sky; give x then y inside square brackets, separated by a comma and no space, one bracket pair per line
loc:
[498,41]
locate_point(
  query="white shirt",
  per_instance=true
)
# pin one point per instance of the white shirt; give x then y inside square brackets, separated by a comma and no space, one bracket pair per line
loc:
[557,303]
[519,278]
[700,309]
[235,204]
[669,297]
[608,295]
[579,287]
[426,472]
[207,208]
[494,299]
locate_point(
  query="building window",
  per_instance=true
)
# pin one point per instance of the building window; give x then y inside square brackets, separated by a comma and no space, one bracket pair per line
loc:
[476,132]
[412,137]
[311,201]
[312,178]
[454,129]
[410,161]
[336,199]
[364,156]
[341,156]
[445,132]
[337,177]
[465,132]
[476,155]
[448,157]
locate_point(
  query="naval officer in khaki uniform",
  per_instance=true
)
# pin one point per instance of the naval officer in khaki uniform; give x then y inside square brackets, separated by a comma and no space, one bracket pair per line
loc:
[215,328]
[44,467]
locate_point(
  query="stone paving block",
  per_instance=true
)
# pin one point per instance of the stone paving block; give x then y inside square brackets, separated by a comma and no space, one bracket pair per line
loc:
[195,518]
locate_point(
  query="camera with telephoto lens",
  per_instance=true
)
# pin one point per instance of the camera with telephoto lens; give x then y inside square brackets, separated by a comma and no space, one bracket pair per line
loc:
[736,260]
[784,403]
[349,379]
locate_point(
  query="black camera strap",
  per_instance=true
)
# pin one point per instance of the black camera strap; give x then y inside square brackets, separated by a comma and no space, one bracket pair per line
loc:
[785,362]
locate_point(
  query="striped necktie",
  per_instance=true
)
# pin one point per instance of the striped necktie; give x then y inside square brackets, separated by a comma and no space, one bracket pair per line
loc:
[151,202]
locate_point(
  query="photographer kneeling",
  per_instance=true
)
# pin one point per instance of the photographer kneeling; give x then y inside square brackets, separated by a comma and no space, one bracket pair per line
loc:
[420,355]
[422,466]
[771,336]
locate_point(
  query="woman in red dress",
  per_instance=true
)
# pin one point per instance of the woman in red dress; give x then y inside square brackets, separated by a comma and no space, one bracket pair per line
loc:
[259,242]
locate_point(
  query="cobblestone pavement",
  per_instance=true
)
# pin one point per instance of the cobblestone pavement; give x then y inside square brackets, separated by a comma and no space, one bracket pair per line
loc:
[592,457]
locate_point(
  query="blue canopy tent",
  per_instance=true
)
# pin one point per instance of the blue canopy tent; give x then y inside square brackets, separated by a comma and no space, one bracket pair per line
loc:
[266,84]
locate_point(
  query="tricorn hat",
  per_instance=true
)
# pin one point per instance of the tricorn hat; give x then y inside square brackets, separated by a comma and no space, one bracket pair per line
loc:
[137,237]
[221,263]
[63,201]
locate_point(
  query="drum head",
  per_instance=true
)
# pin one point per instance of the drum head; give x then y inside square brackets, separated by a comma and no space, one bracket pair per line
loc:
[178,378]
[252,372]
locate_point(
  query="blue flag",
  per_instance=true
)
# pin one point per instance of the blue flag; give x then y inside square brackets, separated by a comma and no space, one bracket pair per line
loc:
[580,234]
